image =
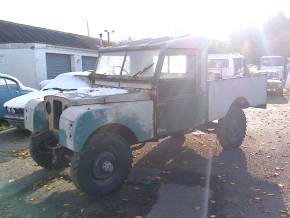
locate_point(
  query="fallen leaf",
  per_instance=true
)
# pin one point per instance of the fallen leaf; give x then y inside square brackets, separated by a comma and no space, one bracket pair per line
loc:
[157,178]
[22,154]
[258,198]
[197,208]
[119,211]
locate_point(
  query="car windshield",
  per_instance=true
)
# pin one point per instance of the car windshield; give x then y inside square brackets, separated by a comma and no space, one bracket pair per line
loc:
[277,61]
[131,63]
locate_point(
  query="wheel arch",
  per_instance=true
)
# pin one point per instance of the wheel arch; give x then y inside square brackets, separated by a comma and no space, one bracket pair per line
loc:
[119,129]
[77,125]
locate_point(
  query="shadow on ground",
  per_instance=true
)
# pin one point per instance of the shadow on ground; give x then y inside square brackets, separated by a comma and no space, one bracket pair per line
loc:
[274,99]
[236,192]
[12,141]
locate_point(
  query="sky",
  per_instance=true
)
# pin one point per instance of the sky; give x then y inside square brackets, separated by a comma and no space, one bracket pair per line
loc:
[214,19]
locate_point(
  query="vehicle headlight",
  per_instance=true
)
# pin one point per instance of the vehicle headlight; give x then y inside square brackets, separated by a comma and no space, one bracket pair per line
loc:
[12,111]
[48,107]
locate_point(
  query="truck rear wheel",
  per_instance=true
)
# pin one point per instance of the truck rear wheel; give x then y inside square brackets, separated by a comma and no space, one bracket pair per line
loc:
[44,152]
[103,164]
[231,129]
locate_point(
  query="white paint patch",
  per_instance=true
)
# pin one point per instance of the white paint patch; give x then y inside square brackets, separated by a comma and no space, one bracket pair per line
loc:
[102,91]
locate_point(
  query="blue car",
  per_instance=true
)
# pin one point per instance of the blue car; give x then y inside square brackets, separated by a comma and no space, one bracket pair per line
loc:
[10,87]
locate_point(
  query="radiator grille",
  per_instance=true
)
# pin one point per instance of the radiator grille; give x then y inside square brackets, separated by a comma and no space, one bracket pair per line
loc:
[57,110]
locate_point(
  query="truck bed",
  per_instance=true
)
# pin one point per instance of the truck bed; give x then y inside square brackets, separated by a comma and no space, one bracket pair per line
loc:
[222,93]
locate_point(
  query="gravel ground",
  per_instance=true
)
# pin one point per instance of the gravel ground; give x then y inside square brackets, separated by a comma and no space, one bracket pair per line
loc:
[252,181]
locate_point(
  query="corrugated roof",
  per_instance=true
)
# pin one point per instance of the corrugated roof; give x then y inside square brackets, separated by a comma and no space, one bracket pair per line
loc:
[19,33]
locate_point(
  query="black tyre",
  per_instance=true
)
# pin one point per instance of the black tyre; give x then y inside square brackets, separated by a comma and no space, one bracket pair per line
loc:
[178,135]
[103,164]
[231,129]
[42,152]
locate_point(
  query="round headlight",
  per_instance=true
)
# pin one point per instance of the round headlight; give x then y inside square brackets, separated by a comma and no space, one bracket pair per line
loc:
[48,107]
[12,110]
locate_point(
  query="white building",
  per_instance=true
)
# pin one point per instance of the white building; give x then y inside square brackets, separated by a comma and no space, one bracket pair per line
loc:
[34,54]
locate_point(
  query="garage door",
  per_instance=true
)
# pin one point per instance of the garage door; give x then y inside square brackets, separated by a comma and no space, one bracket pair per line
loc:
[89,63]
[57,64]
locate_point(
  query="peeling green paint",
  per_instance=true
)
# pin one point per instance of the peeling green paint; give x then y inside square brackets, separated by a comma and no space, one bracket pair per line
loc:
[62,137]
[201,110]
[91,120]
[40,123]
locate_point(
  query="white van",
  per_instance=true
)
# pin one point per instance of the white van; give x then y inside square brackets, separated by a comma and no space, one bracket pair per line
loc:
[223,66]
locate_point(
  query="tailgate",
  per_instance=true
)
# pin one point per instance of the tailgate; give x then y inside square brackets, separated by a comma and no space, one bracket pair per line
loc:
[222,93]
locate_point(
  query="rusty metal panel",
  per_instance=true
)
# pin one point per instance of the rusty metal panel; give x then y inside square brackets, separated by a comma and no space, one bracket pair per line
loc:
[175,105]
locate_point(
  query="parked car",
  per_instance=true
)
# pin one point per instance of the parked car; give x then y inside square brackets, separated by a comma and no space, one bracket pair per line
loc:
[142,92]
[10,87]
[63,82]
[274,63]
[275,81]
[223,66]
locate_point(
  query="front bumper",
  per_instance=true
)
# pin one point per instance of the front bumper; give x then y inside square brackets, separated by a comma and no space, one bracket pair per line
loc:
[16,120]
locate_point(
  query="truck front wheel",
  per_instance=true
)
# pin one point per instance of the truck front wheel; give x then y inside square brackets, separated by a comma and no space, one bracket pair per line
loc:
[103,164]
[44,151]
[231,129]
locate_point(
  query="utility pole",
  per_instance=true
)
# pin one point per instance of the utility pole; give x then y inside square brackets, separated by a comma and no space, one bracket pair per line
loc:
[101,39]
[108,35]
[88,29]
